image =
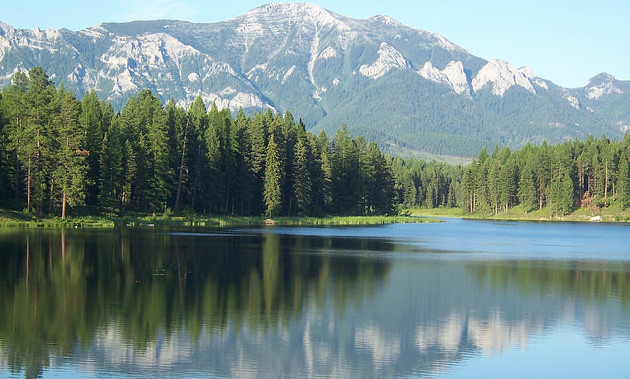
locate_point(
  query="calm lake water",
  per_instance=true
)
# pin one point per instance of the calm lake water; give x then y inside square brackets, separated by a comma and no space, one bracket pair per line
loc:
[458,299]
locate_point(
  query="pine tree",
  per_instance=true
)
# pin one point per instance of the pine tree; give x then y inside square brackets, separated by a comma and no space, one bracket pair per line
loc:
[273,179]
[14,109]
[259,137]
[32,138]
[111,168]
[345,173]
[561,194]
[69,159]
[508,185]
[527,188]
[198,165]
[302,184]
[93,121]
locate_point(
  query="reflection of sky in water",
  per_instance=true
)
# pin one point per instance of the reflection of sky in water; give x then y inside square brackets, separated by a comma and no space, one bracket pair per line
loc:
[473,239]
[456,300]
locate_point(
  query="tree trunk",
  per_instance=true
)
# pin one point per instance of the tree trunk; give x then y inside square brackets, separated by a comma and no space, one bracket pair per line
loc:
[606,186]
[28,186]
[181,173]
[63,206]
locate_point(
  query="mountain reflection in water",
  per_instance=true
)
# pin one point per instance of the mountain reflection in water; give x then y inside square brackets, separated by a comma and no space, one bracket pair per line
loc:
[344,302]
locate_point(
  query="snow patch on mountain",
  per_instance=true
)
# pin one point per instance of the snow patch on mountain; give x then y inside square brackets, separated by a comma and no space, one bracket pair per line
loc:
[453,75]
[601,85]
[388,58]
[502,76]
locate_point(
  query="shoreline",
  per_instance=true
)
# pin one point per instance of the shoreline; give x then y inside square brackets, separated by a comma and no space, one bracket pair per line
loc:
[14,219]
[607,215]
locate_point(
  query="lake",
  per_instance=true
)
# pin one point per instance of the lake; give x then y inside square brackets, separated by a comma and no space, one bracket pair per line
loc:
[457,299]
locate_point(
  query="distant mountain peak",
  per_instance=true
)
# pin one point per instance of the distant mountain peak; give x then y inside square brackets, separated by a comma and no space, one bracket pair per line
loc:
[502,76]
[295,13]
[602,85]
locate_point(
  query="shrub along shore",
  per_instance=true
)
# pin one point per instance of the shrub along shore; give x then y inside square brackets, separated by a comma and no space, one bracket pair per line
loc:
[29,220]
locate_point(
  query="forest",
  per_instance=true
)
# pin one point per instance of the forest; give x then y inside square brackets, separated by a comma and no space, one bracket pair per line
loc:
[58,154]
[561,178]
[61,155]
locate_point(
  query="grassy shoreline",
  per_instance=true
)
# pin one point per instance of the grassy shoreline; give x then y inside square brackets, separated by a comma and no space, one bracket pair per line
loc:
[26,220]
[613,213]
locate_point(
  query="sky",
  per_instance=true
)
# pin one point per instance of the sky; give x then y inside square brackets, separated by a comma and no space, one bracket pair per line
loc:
[567,42]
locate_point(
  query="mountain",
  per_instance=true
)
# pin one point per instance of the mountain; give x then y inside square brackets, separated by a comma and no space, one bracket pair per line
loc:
[412,91]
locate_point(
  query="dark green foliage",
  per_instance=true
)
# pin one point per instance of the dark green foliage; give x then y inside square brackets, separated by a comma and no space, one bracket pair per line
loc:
[57,151]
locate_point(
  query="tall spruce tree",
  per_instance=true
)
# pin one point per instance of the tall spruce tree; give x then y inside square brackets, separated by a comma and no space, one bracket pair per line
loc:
[302,182]
[111,170]
[273,179]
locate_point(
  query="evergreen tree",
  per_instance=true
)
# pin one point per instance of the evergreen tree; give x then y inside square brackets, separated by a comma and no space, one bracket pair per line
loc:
[198,165]
[259,137]
[32,138]
[273,179]
[111,169]
[527,188]
[345,175]
[508,184]
[15,114]
[302,186]
[561,194]
[69,157]
[93,121]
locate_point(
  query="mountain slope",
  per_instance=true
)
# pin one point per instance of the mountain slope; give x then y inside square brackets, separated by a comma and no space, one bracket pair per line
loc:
[411,90]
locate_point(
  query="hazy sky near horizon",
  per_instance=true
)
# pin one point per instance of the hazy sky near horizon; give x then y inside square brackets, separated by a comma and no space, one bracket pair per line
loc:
[567,42]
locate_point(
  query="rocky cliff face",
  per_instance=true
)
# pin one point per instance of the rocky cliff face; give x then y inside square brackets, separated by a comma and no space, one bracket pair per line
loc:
[377,75]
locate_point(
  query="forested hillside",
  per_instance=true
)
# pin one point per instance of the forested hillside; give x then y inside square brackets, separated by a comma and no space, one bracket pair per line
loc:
[592,174]
[58,151]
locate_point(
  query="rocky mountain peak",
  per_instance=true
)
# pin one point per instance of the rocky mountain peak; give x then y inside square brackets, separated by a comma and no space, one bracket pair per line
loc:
[602,85]
[294,13]
[502,76]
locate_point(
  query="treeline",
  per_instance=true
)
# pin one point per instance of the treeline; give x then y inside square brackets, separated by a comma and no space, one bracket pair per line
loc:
[563,177]
[57,150]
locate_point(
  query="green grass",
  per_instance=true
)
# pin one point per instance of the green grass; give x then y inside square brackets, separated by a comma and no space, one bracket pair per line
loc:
[28,220]
[611,213]
[435,212]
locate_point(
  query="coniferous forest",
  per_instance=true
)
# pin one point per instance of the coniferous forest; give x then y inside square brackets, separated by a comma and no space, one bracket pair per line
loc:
[59,154]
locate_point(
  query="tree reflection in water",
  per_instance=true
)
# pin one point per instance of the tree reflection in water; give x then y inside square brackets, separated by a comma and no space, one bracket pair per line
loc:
[255,303]
[61,288]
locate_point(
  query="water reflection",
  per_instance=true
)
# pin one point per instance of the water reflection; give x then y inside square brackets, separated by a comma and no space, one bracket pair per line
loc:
[272,303]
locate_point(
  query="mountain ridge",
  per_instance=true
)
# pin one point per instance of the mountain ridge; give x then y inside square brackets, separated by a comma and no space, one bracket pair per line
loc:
[374,74]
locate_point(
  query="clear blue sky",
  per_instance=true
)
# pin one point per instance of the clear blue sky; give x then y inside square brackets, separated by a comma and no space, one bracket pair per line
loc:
[565,41]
